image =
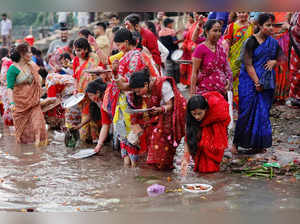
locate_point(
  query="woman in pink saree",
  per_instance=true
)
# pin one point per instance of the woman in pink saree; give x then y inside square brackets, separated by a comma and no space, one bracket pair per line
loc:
[211,70]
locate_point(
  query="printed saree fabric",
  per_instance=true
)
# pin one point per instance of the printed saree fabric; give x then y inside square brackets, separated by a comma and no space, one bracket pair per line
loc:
[7,114]
[295,58]
[115,104]
[282,69]
[28,117]
[162,132]
[237,36]
[187,47]
[214,72]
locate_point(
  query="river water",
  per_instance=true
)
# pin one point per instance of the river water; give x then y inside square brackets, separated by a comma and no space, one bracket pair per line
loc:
[49,180]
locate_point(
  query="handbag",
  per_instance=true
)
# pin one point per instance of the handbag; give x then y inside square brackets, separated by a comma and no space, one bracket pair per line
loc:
[267,80]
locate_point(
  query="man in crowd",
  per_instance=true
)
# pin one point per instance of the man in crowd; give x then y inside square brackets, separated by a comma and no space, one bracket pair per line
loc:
[101,38]
[147,38]
[62,42]
[6,29]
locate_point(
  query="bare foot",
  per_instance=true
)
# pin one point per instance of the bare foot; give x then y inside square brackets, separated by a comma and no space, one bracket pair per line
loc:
[127,162]
[234,150]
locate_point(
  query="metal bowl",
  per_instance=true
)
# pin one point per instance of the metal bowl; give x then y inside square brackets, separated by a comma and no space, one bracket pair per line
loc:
[73,100]
[176,55]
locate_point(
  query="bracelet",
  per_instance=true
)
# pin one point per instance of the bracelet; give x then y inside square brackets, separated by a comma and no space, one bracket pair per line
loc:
[116,79]
[163,109]
[12,103]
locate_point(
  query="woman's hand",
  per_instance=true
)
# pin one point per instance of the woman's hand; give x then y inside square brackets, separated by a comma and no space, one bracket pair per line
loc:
[192,92]
[228,86]
[92,41]
[75,92]
[200,21]
[259,87]
[184,167]
[98,148]
[270,65]
[77,127]
[156,110]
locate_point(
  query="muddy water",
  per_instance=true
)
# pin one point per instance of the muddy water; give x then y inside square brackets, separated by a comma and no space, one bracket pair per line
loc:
[47,179]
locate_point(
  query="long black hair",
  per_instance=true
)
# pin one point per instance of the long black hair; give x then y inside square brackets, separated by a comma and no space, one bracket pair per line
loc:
[124,34]
[93,87]
[262,18]
[83,43]
[138,80]
[151,26]
[86,33]
[193,129]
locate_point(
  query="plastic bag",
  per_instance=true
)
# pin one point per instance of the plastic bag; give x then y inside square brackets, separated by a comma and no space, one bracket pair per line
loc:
[72,137]
[133,138]
[230,101]
[155,190]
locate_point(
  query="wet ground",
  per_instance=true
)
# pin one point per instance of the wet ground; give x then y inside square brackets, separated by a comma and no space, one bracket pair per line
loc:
[48,180]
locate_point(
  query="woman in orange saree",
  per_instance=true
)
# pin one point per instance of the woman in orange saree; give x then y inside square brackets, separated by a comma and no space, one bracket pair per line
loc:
[188,47]
[85,59]
[281,34]
[24,92]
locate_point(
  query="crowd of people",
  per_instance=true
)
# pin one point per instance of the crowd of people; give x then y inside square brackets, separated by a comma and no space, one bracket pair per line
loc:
[134,88]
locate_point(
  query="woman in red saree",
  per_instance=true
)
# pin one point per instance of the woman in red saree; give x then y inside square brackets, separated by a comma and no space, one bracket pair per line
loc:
[206,132]
[188,47]
[294,93]
[281,34]
[163,125]
[61,87]
[24,92]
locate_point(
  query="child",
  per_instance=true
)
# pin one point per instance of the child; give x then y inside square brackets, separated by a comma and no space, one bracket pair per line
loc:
[67,67]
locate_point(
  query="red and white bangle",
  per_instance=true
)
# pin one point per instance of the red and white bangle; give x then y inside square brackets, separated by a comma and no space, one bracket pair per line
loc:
[117,79]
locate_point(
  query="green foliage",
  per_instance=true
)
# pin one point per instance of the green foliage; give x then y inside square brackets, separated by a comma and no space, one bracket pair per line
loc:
[23,18]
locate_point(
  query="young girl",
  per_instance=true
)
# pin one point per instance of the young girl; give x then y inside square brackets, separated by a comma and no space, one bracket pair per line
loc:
[206,132]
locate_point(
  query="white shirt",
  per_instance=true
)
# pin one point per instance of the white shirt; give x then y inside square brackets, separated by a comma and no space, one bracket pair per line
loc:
[83,19]
[62,17]
[167,92]
[6,27]
[164,52]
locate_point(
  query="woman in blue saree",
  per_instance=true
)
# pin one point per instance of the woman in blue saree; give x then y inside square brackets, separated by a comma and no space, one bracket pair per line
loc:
[253,129]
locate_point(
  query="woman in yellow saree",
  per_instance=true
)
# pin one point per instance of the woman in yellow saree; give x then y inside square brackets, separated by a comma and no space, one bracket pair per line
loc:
[236,34]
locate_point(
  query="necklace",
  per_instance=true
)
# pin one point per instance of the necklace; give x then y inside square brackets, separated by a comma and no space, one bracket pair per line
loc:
[211,47]
[23,67]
